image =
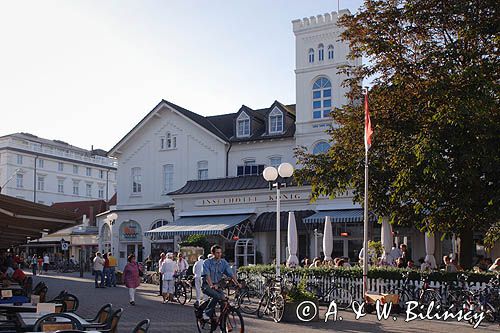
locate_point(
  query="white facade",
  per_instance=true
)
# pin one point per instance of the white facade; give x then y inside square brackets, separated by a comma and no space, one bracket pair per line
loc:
[63,172]
[171,146]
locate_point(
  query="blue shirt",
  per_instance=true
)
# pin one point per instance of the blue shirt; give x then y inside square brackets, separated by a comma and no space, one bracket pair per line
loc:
[216,268]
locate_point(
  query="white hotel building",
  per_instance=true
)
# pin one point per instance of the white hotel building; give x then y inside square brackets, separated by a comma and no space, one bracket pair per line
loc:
[48,171]
[191,174]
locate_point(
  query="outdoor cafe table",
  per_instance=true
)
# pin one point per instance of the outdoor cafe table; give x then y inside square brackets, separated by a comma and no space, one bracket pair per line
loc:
[27,320]
[24,307]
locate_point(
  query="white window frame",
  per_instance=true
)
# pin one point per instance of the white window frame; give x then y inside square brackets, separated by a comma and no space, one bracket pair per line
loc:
[60,166]
[40,183]
[311,55]
[168,178]
[244,130]
[75,169]
[88,172]
[19,159]
[321,52]
[316,144]
[60,186]
[88,190]
[100,192]
[40,163]
[278,115]
[19,180]
[273,163]
[101,174]
[331,52]
[136,178]
[76,187]
[202,170]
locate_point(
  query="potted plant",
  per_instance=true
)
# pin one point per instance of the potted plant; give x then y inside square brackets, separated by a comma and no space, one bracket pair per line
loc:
[300,304]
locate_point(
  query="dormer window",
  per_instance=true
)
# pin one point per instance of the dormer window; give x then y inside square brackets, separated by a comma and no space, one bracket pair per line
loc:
[311,56]
[275,121]
[321,52]
[243,125]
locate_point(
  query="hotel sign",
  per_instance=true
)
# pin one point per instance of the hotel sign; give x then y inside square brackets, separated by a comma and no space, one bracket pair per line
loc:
[250,199]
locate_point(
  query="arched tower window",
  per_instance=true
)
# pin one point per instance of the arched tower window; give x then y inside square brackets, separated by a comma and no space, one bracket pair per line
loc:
[311,56]
[321,52]
[321,148]
[330,52]
[322,98]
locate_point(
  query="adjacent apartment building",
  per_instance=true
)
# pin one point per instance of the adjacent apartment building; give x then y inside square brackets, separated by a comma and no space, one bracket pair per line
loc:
[48,171]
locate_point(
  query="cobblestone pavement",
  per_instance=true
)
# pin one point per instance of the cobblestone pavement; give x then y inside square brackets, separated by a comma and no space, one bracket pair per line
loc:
[176,318]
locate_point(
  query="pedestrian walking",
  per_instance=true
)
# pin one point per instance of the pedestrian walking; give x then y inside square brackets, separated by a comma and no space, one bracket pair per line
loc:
[131,277]
[182,264]
[168,270]
[112,268]
[34,264]
[46,262]
[106,271]
[197,271]
[40,265]
[99,270]
[163,257]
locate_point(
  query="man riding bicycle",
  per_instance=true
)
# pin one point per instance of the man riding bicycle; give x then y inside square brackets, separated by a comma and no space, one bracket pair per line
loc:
[213,270]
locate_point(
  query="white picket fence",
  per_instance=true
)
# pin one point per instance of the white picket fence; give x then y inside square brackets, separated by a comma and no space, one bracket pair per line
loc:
[376,286]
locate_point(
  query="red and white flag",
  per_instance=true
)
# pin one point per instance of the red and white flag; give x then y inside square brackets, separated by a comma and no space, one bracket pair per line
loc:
[368,125]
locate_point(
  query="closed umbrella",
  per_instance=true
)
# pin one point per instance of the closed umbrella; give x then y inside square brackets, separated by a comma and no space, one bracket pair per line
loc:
[292,260]
[328,239]
[430,245]
[387,242]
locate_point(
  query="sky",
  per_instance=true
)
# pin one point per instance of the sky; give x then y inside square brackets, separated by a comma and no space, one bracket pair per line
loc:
[87,71]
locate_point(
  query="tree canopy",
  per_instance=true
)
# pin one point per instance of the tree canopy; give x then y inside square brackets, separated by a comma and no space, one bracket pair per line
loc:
[434,104]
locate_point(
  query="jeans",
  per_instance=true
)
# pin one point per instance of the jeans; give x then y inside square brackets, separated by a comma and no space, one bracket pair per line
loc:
[216,297]
[131,294]
[97,274]
[112,276]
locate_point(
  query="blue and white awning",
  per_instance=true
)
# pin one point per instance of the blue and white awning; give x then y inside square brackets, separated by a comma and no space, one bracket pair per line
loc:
[338,216]
[224,225]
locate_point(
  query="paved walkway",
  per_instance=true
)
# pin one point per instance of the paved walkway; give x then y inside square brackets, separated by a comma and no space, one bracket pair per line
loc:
[179,319]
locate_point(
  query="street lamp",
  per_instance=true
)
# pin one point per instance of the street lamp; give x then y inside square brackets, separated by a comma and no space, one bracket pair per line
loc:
[285,170]
[9,179]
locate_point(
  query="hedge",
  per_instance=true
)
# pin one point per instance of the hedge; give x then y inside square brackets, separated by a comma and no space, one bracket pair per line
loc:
[389,273]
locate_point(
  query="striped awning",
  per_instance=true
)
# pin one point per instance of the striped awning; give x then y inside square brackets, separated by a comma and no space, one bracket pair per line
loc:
[339,216]
[204,225]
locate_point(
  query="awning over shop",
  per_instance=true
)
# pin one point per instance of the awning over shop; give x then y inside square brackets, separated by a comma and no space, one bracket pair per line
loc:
[20,219]
[267,221]
[223,225]
[339,216]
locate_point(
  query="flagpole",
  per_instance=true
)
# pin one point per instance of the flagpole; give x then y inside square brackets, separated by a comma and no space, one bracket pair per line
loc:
[365,212]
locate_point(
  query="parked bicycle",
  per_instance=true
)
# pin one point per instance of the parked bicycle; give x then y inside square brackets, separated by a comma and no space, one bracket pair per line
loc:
[424,295]
[334,291]
[227,316]
[248,297]
[272,301]
[487,300]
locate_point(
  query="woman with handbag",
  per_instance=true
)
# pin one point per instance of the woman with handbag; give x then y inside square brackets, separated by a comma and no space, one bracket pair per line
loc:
[131,277]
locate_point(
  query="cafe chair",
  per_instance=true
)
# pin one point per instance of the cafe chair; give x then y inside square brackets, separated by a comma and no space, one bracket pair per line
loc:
[39,286]
[113,322]
[69,303]
[142,327]
[102,317]
[42,293]
[27,286]
[48,323]
[59,298]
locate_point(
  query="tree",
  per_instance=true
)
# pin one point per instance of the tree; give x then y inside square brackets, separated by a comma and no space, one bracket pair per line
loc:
[434,103]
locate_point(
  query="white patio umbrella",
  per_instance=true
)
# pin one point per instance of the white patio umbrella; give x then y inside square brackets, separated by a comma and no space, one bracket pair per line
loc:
[430,245]
[292,260]
[387,241]
[328,239]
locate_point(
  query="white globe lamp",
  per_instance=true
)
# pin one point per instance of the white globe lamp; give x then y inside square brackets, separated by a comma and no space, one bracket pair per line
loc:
[270,174]
[285,170]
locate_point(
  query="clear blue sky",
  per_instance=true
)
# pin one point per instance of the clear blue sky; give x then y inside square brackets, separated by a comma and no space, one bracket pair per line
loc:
[86,72]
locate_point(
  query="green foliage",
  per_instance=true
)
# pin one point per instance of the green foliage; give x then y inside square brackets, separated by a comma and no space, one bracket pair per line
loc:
[197,240]
[492,235]
[434,105]
[389,273]
[377,247]
[299,293]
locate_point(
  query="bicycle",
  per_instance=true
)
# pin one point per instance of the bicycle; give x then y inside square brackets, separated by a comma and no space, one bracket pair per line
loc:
[334,292]
[409,292]
[247,298]
[227,317]
[487,301]
[272,301]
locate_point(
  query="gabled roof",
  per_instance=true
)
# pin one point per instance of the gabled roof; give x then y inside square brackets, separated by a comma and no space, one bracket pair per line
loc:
[222,126]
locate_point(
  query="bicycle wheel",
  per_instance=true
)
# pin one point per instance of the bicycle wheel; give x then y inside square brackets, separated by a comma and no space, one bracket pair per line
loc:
[180,293]
[233,322]
[278,307]
[263,305]
[189,290]
[342,297]
[430,295]
[248,302]
[404,298]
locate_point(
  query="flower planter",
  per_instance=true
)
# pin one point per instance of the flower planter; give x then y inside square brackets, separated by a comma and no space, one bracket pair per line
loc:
[306,311]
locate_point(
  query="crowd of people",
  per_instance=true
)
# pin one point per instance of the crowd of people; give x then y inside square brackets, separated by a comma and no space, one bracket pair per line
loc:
[10,268]
[104,269]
